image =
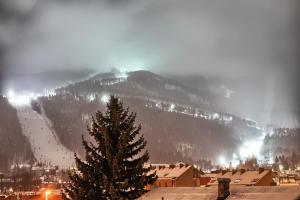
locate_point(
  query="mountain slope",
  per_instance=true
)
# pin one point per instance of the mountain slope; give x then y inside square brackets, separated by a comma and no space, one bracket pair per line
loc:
[14,146]
[46,146]
[143,84]
[178,121]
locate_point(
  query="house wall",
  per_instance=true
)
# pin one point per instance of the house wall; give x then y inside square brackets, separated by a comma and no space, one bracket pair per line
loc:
[165,183]
[196,182]
[266,180]
[190,178]
[186,179]
[204,180]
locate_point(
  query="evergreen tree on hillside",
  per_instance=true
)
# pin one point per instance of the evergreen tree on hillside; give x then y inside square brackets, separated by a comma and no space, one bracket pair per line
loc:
[294,160]
[114,163]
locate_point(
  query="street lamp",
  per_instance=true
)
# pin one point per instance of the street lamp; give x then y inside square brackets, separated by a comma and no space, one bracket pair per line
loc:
[47,193]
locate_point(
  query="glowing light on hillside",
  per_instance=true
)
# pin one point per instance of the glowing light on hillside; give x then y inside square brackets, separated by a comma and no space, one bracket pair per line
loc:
[105,99]
[10,93]
[234,156]
[222,161]
[216,116]
[91,97]
[20,99]
[235,163]
[172,107]
[250,149]
[122,73]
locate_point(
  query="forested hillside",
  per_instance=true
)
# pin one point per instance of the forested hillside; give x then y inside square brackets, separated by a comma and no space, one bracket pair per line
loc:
[70,117]
[284,141]
[171,136]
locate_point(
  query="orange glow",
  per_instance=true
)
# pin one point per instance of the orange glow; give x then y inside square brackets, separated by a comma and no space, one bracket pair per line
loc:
[48,192]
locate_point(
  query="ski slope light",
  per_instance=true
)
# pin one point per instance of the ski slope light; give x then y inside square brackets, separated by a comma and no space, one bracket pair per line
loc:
[172,106]
[222,161]
[251,149]
[20,99]
[10,93]
[105,99]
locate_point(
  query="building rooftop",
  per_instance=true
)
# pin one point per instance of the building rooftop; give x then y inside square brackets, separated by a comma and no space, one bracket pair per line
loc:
[240,177]
[237,192]
[170,171]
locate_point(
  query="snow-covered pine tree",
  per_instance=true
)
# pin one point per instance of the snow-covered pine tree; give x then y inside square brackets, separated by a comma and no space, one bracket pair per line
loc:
[114,163]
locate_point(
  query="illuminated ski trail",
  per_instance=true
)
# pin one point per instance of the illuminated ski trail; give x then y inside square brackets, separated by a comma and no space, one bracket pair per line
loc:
[44,142]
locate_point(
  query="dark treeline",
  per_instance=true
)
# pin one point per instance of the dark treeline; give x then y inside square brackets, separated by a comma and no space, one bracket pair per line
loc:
[285,145]
[14,146]
[284,141]
[287,162]
[70,117]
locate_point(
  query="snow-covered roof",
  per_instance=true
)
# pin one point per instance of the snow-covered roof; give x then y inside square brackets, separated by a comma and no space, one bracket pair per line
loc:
[239,178]
[169,171]
[237,192]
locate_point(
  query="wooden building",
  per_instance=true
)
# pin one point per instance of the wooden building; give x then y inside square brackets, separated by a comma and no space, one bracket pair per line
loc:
[261,177]
[178,175]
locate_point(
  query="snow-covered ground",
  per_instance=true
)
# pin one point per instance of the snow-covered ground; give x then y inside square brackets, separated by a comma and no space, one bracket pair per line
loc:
[44,142]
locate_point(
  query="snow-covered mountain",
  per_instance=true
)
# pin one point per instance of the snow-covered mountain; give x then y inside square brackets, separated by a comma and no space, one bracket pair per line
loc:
[187,119]
[142,84]
[183,117]
[268,100]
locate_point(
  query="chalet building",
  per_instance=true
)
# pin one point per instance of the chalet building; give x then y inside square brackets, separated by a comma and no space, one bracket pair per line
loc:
[261,177]
[178,175]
